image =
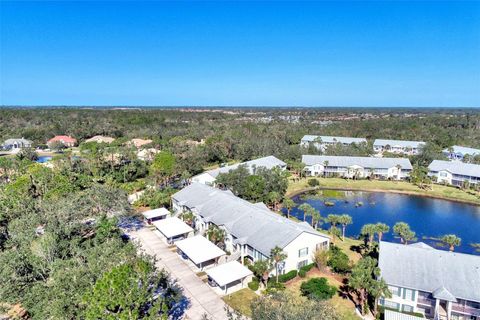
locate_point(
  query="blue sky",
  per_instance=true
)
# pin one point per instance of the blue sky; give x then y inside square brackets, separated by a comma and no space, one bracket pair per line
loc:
[240,53]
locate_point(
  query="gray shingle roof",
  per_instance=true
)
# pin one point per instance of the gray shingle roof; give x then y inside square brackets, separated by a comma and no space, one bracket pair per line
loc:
[250,223]
[269,162]
[17,140]
[365,162]
[460,168]
[331,139]
[401,143]
[463,150]
[431,270]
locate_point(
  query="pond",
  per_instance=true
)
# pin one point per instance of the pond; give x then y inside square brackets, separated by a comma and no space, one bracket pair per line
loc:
[43,159]
[429,218]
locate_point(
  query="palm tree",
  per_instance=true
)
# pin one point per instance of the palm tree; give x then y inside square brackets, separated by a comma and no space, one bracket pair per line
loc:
[305,207]
[316,217]
[368,231]
[277,255]
[262,269]
[288,204]
[188,217]
[216,235]
[452,240]
[273,199]
[333,219]
[381,229]
[402,229]
[344,220]
[379,289]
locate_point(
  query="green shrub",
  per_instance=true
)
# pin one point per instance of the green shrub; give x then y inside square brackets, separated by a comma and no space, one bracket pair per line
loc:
[338,260]
[302,273]
[254,284]
[313,182]
[273,286]
[308,267]
[318,289]
[287,276]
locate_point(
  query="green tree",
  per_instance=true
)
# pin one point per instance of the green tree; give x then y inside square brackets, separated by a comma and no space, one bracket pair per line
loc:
[378,289]
[262,269]
[216,235]
[368,231]
[402,230]
[452,241]
[344,220]
[278,256]
[288,204]
[333,219]
[362,280]
[129,291]
[381,229]
[163,167]
[316,217]
[306,208]
[317,289]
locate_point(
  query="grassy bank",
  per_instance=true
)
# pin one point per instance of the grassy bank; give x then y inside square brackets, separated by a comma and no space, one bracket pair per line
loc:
[241,301]
[437,191]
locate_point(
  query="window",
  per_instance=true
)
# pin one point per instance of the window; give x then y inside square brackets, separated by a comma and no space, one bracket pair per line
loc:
[303,252]
[394,290]
[407,308]
[408,294]
[391,305]
[302,263]
[443,174]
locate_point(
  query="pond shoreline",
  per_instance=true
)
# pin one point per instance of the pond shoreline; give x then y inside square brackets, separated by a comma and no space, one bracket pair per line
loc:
[410,193]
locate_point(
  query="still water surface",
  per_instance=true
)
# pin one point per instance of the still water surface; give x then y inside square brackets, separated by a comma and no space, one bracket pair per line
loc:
[429,218]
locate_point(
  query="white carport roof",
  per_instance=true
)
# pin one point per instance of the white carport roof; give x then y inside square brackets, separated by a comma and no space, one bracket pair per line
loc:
[155,213]
[393,315]
[199,249]
[172,227]
[228,272]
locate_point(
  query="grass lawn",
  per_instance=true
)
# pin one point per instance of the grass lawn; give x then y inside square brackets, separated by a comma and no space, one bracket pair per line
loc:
[241,301]
[346,246]
[343,306]
[437,191]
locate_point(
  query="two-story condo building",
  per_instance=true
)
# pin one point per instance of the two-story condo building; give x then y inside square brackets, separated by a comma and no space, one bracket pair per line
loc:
[440,284]
[270,162]
[454,172]
[398,146]
[252,229]
[357,167]
[459,152]
[322,142]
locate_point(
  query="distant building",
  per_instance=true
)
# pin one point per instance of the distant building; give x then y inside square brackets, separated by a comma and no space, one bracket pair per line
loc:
[459,152]
[270,162]
[322,142]
[398,146]
[138,143]
[357,167]
[454,173]
[440,284]
[100,139]
[65,140]
[17,143]
[252,230]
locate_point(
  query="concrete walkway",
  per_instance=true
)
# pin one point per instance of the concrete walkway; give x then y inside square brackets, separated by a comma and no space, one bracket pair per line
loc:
[203,300]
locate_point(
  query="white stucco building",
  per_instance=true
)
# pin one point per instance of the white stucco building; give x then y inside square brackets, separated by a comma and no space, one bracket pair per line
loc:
[252,229]
[270,162]
[454,172]
[357,167]
[398,146]
[440,284]
[322,142]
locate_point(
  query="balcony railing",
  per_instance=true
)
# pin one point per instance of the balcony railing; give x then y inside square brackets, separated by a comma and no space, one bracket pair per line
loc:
[466,309]
[426,301]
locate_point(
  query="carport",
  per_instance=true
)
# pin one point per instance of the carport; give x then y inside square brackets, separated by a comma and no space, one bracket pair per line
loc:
[155,215]
[173,229]
[231,275]
[199,250]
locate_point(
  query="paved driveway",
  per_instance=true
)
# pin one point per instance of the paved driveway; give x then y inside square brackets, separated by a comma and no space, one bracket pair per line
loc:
[202,298]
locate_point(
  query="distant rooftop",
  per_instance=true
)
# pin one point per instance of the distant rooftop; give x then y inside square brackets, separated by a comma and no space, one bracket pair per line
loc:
[463,150]
[365,162]
[332,139]
[400,143]
[445,274]
[459,168]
